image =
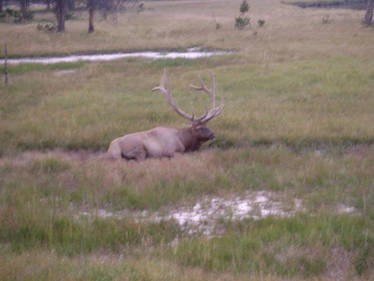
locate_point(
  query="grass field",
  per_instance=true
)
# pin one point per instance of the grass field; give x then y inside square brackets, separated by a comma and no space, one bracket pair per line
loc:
[297,124]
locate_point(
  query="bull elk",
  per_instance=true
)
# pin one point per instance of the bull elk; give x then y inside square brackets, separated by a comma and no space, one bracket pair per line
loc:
[163,141]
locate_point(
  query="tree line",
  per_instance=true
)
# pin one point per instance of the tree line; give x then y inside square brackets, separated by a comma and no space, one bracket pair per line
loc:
[62,7]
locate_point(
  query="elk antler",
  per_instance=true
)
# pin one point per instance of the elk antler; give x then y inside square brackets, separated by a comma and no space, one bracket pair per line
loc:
[213,112]
[166,91]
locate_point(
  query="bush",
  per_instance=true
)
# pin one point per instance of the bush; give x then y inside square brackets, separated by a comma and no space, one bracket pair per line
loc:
[48,27]
[10,15]
[261,22]
[29,16]
[244,7]
[69,16]
[241,22]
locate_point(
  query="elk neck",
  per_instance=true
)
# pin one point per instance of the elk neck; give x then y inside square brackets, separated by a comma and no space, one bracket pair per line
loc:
[189,139]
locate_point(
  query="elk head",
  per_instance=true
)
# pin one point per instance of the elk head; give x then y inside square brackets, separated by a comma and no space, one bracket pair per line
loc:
[198,128]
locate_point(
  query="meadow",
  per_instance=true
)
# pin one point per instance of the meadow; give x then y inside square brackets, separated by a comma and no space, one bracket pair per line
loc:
[297,123]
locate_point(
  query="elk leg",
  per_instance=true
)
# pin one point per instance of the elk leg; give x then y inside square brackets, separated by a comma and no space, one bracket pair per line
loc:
[169,156]
[141,155]
[136,154]
[115,150]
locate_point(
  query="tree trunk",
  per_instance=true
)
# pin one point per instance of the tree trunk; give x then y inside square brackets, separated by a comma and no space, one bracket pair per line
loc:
[6,64]
[91,12]
[1,6]
[23,4]
[60,15]
[71,5]
[48,2]
[369,12]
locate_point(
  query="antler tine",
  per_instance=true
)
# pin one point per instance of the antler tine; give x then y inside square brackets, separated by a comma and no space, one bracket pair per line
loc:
[167,93]
[202,117]
[208,115]
[202,86]
[213,112]
[163,78]
[160,88]
[211,92]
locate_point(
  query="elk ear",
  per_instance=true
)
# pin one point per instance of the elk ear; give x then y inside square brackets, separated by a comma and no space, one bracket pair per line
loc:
[197,124]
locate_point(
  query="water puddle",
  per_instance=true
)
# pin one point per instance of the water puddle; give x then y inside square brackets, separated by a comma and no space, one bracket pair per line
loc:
[344,209]
[65,72]
[204,216]
[207,216]
[191,53]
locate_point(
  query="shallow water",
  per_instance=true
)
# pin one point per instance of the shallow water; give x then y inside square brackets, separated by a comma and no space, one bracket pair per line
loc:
[192,53]
[204,215]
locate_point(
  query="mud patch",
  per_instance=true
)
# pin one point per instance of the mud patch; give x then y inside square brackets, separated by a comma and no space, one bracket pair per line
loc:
[208,215]
[344,209]
[205,215]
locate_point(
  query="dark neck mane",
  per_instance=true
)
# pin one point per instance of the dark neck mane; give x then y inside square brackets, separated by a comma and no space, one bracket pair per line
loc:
[189,139]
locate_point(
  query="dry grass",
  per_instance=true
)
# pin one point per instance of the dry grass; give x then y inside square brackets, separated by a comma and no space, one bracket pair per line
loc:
[309,102]
[323,180]
[44,265]
[289,32]
[297,120]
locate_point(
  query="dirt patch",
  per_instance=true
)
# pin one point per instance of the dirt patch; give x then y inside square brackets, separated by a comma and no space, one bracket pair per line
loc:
[339,265]
[79,155]
[87,155]
[360,149]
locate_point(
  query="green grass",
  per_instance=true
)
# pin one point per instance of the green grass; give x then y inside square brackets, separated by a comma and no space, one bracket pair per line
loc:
[292,248]
[322,181]
[287,247]
[69,237]
[285,128]
[297,122]
[292,103]
[28,67]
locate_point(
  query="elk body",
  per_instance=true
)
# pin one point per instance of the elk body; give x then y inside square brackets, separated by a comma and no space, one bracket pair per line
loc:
[164,141]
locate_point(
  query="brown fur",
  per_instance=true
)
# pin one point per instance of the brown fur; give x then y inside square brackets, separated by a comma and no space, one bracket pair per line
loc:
[165,142]
[159,142]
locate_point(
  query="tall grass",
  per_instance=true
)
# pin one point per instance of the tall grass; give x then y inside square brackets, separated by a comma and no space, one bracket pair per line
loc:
[28,67]
[297,123]
[287,247]
[293,103]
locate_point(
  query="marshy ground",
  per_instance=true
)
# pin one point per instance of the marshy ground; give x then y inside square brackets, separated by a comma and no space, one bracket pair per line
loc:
[296,136]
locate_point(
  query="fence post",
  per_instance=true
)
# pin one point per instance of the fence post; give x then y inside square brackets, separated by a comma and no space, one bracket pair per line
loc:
[6,64]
